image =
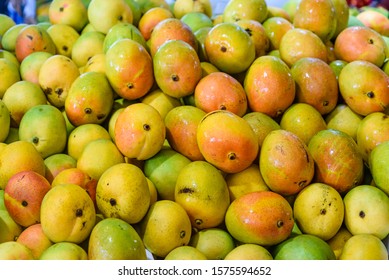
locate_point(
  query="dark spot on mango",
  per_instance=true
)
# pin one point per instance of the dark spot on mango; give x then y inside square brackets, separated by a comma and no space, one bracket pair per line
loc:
[120,18]
[130,85]
[198,221]
[79,213]
[112,201]
[231,156]
[370,94]
[35,140]
[61,9]
[325,103]
[371,41]
[323,211]
[65,48]
[302,183]
[24,203]
[223,49]
[146,127]
[362,214]
[88,111]
[223,107]
[175,78]
[186,190]
[182,234]
[30,37]
[48,91]
[280,223]
[58,91]
[249,31]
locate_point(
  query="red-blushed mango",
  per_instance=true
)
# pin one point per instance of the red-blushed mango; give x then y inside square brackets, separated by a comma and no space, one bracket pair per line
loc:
[23,197]
[19,156]
[321,88]
[151,18]
[285,163]
[34,238]
[364,87]
[171,29]
[33,38]
[139,131]
[70,12]
[318,16]
[375,20]
[177,68]
[338,161]
[269,86]
[74,175]
[90,99]
[181,130]
[360,43]
[129,69]
[231,54]
[220,91]
[264,218]
[227,141]
[297,43]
